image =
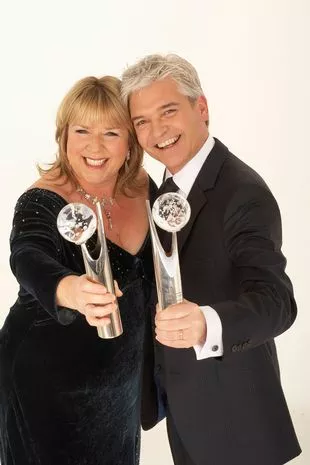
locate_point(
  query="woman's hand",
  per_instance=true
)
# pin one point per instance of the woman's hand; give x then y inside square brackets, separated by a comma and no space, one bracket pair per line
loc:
[88,297]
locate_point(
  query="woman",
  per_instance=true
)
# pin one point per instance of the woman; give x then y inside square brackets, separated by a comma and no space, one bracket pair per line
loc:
[67,396]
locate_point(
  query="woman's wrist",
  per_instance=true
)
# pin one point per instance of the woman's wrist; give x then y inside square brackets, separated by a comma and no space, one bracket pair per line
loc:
[64,294]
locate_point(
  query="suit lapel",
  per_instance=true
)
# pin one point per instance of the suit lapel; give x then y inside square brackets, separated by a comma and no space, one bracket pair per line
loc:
[197,199]
[205,181]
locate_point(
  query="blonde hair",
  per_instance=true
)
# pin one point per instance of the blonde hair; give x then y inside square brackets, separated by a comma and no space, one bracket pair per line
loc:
[92,100]
[157,67]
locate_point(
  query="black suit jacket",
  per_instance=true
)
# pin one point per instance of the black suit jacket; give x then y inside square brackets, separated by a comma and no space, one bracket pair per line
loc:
[231,410]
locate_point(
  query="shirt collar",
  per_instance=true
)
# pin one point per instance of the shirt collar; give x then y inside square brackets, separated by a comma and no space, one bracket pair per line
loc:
[185,178]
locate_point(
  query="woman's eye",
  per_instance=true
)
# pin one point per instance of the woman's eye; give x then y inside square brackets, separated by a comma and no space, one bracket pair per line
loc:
[111,134]
[81,131]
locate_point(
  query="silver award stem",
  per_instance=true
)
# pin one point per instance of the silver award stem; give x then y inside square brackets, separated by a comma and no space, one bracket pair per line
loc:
[99,269]
[167,268]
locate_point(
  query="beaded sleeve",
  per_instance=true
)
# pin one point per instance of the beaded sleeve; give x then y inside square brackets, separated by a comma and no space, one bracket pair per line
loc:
[37,250]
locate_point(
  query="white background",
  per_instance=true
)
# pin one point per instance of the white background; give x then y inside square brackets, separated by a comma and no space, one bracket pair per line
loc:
[253,60]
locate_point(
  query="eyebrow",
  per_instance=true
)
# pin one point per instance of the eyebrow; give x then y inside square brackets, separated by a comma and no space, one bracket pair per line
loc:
[87,127]
[162,107]
[80,126]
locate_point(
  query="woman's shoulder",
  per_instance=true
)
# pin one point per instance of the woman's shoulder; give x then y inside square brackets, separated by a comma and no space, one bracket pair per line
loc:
[49,186]
[42,194]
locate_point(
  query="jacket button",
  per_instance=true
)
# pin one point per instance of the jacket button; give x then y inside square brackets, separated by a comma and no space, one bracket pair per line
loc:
[215,348]
[234,348]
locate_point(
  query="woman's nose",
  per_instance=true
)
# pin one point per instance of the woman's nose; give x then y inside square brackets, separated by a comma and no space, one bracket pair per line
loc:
[95,144]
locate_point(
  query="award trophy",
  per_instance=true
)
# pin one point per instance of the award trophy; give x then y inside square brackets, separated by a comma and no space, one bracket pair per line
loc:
[171,212]
[77,223]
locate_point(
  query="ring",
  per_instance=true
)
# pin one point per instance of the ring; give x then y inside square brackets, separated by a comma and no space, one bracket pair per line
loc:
[180,335]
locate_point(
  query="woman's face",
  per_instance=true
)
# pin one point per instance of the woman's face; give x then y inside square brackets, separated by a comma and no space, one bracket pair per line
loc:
[96,152]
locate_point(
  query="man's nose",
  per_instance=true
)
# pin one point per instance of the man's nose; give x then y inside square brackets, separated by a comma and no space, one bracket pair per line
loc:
[158,130]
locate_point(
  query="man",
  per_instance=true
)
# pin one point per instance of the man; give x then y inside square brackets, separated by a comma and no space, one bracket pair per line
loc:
[219,368]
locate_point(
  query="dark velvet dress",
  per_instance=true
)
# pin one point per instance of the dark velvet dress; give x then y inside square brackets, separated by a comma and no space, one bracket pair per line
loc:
[68,397]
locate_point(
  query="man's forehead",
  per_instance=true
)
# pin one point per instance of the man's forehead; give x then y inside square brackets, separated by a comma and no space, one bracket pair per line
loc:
[155,97]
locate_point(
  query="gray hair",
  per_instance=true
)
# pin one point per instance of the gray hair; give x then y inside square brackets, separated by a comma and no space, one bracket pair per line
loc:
[156,67]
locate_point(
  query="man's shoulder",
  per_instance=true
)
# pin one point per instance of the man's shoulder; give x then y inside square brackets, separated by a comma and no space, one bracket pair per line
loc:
[235,171]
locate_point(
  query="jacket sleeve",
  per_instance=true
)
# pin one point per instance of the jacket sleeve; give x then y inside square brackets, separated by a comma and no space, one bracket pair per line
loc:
[36,253]
[265,305]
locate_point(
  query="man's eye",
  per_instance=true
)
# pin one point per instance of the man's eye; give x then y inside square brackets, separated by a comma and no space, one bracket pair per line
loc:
[139,123]
[169,112]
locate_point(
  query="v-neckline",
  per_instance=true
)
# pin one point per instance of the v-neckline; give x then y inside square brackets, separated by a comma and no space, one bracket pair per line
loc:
[107,239]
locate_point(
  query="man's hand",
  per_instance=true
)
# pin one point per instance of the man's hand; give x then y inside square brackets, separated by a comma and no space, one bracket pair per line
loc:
[181,325]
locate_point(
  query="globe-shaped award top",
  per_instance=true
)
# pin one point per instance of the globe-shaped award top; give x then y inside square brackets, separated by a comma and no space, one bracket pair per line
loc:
[76,223]
[171,211]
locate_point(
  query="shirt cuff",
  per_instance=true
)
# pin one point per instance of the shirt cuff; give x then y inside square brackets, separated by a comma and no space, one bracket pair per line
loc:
[213,347]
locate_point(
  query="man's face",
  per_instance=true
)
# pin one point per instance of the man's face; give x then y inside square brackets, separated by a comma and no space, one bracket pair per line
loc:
[169,126]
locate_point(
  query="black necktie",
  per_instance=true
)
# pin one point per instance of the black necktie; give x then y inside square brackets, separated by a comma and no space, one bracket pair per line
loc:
[168,186]
[165,237]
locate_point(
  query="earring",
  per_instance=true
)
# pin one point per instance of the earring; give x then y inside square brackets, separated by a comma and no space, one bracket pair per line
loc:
[127,161]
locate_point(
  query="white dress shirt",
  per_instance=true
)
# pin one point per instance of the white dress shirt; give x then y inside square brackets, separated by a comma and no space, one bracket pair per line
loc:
[184,179]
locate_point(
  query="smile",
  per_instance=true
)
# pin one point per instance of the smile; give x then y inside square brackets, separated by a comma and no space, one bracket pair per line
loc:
[93,162]
[168,143]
